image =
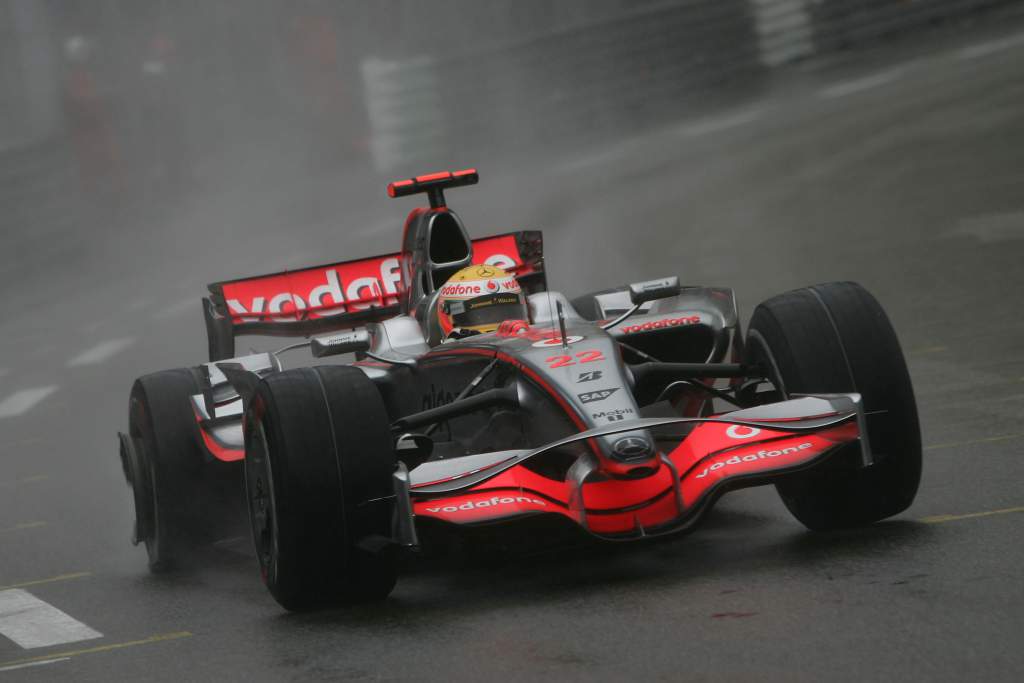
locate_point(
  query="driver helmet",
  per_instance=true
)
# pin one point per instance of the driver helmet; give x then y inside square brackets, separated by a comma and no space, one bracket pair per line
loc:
[478,299]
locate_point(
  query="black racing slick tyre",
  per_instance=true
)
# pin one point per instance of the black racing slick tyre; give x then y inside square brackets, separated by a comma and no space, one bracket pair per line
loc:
[836,338]
[318,471]
[162,461]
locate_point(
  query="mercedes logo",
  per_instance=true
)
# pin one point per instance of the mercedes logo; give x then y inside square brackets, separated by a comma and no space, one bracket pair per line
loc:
[631,447]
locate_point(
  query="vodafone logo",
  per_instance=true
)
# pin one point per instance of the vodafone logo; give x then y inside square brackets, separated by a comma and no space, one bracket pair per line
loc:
[556,341]
[325,291]
[476,287]
[753,457]
[494,501]
[661,324]
[460,289]
[328,294]
[741,432]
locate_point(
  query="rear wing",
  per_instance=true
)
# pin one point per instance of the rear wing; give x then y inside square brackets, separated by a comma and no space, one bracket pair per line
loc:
[341,295]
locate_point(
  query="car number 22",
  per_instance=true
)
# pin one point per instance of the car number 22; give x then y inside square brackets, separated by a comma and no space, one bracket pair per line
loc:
[581,357]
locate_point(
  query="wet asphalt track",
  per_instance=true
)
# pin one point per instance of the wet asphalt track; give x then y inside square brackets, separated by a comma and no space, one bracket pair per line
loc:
[905,173]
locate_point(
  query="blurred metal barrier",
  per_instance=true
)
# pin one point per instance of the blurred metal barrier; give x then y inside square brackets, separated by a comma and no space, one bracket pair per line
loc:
[846,23]
[604,78]
[600,78]
[126,98]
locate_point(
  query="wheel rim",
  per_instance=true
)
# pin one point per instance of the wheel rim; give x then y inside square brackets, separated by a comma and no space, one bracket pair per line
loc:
[259,488]
[143,485]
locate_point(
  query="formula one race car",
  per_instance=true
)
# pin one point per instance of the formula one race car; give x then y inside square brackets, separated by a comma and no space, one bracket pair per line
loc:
[623,413]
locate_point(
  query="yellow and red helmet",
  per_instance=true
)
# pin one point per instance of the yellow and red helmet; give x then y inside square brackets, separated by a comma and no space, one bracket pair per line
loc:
[480,298]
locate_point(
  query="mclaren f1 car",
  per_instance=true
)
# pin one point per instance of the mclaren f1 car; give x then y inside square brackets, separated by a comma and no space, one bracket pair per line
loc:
[624,413]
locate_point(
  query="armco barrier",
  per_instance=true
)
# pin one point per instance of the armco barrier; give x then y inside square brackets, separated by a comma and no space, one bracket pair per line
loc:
[606,77]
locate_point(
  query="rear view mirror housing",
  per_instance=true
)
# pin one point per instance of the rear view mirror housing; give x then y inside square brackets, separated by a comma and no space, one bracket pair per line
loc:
[354,341]
[650,290]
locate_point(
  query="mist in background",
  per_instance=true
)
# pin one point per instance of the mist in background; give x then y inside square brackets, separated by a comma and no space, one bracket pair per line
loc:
[131,126]
[150,147]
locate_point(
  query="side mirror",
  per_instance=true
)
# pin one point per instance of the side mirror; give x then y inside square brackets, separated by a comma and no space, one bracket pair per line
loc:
[662,288]
[414,449]
[344,342]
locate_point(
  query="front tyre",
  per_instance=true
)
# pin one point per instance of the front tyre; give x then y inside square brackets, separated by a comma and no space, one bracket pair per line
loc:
[162,461]
[836,338]
[318,471]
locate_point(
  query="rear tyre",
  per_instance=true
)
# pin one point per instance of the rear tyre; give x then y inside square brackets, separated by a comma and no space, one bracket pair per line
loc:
[318,471]
[834,338]
[162,462]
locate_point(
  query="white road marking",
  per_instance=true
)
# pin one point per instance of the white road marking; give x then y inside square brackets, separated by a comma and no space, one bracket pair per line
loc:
[39,663]
[31,622]
[857,85]
[23,525]
[174,310]
[718,124]
[992,46]
[23,401]
[101,352]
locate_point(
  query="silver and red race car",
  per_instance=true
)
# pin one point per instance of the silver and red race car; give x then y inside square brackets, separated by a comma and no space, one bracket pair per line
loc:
[623,414]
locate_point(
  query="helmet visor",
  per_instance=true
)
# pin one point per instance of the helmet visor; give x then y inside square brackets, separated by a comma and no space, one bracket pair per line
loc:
[489,309]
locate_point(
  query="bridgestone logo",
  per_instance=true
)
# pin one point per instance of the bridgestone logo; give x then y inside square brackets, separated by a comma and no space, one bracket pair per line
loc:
[752,457]
[493,502]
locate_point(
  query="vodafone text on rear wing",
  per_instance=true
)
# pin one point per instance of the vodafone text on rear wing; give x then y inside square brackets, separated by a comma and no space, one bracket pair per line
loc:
[339,295]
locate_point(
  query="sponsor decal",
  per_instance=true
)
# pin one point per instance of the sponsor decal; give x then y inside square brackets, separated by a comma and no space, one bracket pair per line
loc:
[322,290]
[462,289]
[615,415]
[583,357]
[753,457]
[437,397]
[589,376]
[494,501]
[471,288]
[741,432]
[557,341]
[661,324]
[513,328]
[598,395]
[631,447]
[341,288]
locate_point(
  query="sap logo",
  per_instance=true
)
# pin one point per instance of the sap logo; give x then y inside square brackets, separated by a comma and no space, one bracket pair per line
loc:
[589,376]
[594,396]
[753,457]
[494,501]
[616,415]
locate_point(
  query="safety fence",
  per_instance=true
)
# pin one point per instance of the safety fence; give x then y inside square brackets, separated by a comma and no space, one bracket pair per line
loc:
[119,98]
[604,78]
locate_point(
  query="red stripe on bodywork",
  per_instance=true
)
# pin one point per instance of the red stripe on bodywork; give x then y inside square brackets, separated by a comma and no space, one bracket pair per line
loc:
[216,449]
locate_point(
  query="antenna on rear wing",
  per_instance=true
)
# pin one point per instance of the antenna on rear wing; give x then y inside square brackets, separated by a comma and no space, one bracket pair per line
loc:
[433,184]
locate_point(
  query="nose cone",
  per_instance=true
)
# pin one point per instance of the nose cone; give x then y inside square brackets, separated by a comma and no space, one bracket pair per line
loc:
[629,454]
[631,447]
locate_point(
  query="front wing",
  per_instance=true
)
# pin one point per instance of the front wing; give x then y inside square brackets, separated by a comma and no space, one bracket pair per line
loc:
[716,454]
